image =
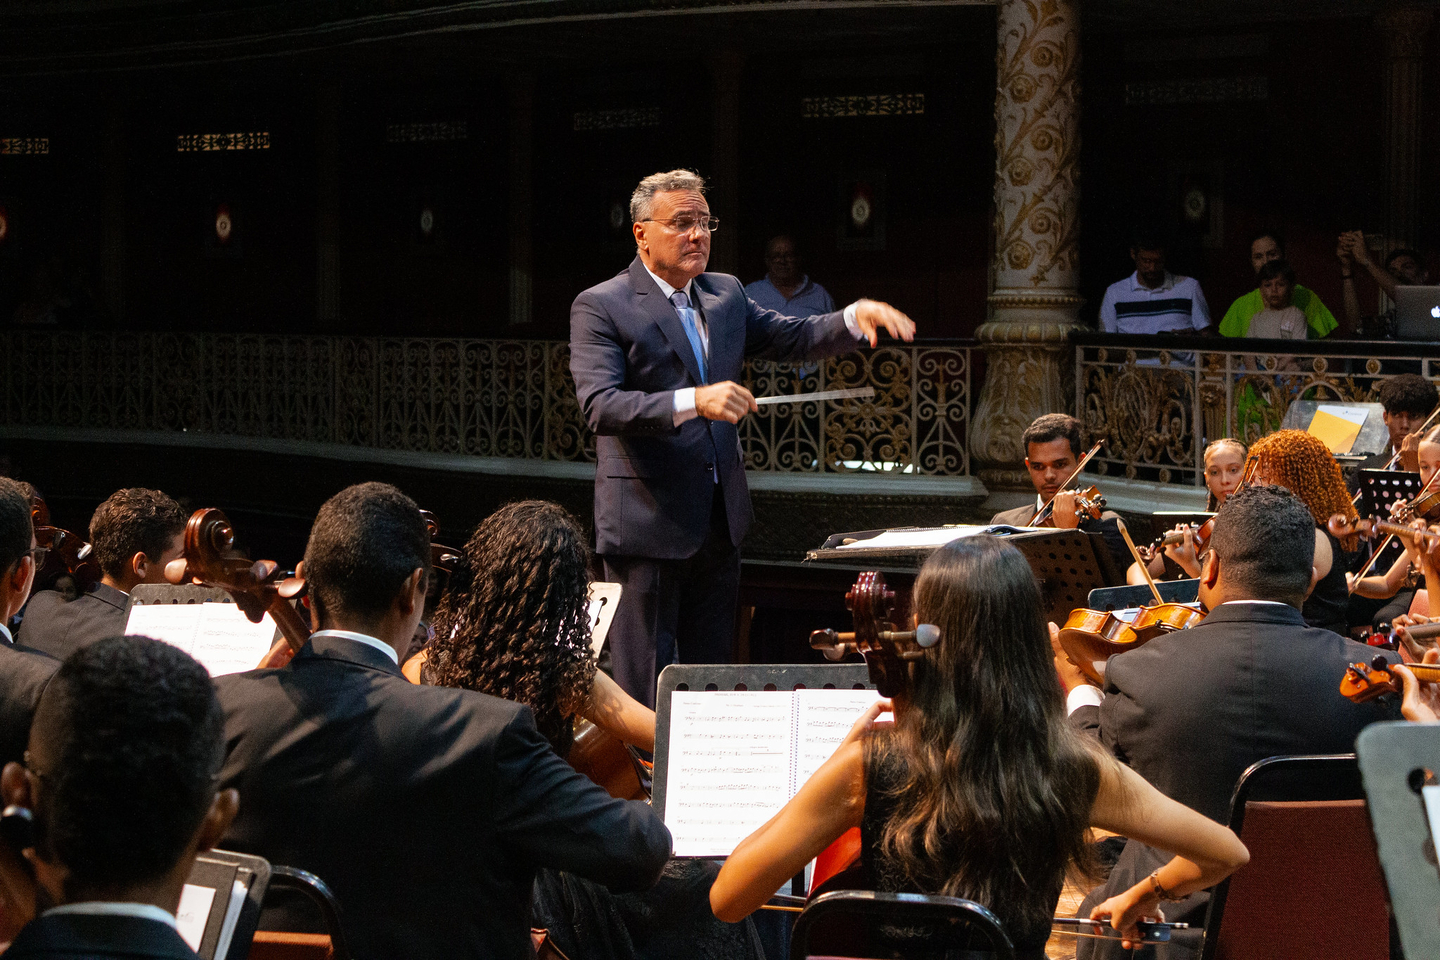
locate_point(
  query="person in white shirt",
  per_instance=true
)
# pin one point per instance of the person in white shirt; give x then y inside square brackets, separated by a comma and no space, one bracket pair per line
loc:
[1152,299]
[119,779]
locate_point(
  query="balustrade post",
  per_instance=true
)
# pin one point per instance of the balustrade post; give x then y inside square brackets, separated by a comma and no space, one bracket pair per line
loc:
[1035,271]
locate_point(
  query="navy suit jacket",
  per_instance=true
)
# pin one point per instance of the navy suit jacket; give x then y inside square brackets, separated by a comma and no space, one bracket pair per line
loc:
[628,355]
[59,627]
[427,810]
[82,937]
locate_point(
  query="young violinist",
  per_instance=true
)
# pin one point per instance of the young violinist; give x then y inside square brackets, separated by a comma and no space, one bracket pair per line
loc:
[1304,465]
[1393,582]
[1224,468]
[1405,401]
[979,789]
[1190,711]
[1052,452]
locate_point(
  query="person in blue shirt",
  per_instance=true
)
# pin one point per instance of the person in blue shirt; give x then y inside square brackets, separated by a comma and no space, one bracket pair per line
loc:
[784,288]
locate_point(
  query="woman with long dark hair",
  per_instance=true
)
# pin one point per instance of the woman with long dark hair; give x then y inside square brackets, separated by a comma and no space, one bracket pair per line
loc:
[515,624]
[980,788]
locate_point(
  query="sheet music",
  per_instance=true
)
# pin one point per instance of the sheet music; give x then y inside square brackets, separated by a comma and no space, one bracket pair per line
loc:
[737,757]
[217,634]
[928,537]
[822,718]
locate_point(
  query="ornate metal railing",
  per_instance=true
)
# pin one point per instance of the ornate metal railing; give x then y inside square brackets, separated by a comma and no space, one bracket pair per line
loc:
[1159,400]
[493,398]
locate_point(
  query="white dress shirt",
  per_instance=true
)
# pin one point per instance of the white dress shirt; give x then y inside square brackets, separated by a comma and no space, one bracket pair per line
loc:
[103,908]
[366,639]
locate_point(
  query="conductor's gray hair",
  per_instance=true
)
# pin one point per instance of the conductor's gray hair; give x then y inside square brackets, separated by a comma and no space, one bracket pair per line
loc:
[644,196]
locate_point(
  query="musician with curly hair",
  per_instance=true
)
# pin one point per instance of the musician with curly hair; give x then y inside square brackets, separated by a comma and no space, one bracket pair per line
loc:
[1302,464]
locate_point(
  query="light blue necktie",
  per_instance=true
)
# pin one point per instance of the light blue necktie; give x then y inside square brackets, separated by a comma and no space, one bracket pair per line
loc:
[691,322]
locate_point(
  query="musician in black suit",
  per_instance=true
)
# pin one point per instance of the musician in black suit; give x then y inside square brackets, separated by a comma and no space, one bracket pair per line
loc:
[1192,710]
[23,673]
[120,779]
[427,810]
[133,534]
[1052,452]
[655,352]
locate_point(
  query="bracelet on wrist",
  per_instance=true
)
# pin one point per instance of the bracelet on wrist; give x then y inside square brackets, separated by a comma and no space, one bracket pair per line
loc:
[1160,892]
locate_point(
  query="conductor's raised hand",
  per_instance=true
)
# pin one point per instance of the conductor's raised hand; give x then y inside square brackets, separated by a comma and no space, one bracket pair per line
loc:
[871,316]
[726,401]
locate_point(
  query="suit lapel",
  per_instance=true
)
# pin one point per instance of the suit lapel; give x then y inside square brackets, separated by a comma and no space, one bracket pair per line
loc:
[653,304]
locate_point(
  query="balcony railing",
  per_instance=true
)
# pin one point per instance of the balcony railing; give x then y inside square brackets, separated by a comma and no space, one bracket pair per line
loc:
[1158,400]
[486,398]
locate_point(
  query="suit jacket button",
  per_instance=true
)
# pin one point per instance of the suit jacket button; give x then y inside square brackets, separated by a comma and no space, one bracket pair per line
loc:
[710,467]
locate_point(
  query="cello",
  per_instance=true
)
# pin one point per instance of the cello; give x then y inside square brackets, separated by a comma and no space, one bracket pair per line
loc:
[66,552]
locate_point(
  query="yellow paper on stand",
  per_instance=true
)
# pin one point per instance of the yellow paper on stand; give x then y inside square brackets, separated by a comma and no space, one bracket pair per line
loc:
[1337,427]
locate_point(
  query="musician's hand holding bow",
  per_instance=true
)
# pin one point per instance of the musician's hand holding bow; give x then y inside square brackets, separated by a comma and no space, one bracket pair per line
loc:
[871,316]
[1421,701]
[1124,910]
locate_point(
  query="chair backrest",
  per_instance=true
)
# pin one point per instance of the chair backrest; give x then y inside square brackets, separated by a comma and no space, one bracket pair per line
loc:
[874,910]
[1313,887]
[276,945]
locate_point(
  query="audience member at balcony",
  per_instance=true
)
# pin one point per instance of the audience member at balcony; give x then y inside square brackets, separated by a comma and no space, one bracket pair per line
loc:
[1191,711]
[133,534]
[979,789]
[785,288]
[1152,299]
[1224,468]
[23,673]
[428,810]
[1403,267]
[1265,247]
[1302,464]
[119,776]
[1052,452]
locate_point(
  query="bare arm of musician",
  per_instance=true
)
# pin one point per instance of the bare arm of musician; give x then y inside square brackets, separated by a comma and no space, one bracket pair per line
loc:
[827,805]
[1382,588]
[1206,852]
[1421,701]
[1323,557]
[619,714]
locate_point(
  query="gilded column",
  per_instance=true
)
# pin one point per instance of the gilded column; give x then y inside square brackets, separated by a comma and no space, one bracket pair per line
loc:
[1035,298]
[1404,29]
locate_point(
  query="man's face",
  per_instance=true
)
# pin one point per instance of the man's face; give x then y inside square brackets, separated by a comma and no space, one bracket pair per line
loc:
[1408,271]
[1149,266]
[665,246]
[1264,250]
[1401,423]
[1276,292]
[781,263]
[1050,465]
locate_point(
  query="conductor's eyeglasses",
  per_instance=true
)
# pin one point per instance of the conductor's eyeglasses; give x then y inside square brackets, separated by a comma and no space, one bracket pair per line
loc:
[686,224]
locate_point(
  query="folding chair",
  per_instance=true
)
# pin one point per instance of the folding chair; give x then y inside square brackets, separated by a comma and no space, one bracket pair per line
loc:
[1313,887]
[869,912]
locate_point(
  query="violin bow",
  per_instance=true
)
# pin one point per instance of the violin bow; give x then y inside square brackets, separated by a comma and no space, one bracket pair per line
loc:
[1049,506]
[1144,568]
[1395,457]
[1390,536]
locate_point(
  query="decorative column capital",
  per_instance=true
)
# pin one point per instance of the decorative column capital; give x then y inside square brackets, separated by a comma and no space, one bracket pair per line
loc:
[1405,29]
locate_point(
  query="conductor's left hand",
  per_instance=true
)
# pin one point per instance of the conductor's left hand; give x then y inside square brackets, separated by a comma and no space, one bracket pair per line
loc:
[872,315]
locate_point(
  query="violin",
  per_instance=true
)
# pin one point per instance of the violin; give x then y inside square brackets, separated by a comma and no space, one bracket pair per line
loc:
[1091,637]
[1364,682]
[1340,526]
[887,651]
[1200,532]
[210,558]
[66,552]
[1089,502]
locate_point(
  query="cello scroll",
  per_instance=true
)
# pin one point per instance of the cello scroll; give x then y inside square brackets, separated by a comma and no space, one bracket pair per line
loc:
[886,650]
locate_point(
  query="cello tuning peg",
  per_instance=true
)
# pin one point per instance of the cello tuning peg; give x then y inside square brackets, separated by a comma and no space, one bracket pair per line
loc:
[927,635]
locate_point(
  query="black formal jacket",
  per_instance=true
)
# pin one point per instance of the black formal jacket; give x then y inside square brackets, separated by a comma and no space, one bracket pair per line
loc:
[82,937]
[427,810]
[23,676]
[654,482]
[1191,711]
[59,627]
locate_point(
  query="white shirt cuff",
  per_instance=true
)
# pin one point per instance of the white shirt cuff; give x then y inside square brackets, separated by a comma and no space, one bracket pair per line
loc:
[685,405]
[1084,695]
[851,323]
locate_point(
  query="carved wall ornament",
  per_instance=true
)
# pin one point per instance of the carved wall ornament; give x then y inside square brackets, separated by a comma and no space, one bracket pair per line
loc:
[438,132]
[219,142]
[864,105]
[623,118]
[26,146]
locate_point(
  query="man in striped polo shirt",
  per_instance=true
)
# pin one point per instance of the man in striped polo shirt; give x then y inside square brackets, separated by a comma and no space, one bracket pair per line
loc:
[1153,300]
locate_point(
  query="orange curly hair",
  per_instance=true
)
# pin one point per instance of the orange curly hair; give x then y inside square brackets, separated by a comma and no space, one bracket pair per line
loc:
[1303,465]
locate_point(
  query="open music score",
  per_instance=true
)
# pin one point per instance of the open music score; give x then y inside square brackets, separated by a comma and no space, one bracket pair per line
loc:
[736,757]
[217,634]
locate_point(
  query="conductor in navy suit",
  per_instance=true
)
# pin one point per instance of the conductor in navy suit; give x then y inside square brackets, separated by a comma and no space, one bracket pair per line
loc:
[655,352]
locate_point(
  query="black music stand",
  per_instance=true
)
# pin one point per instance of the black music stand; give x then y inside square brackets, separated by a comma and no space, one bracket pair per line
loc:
[1384,487]
[720,676]
[1139,595]
[231,925]
[1395,761]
